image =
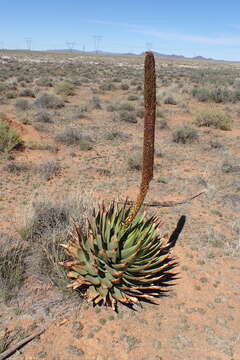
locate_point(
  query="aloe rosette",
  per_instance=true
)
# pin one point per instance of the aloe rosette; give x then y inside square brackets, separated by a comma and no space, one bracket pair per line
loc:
[112,262]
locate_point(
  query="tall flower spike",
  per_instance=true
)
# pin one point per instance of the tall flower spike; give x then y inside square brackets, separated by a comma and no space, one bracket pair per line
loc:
[149,133]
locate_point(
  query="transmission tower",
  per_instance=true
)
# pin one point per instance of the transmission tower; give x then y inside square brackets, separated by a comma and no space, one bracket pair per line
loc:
[97,40]
[70,45]
[28,42]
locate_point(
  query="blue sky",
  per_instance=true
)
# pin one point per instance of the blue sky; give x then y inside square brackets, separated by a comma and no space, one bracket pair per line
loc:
[208,28]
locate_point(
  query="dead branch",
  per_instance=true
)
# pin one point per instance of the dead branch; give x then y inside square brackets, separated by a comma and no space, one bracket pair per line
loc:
[20,344]
[164,203]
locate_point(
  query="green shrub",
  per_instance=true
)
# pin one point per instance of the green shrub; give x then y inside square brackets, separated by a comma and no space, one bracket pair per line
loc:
[44,82]
[126,106]
[3,87]
[11,95]
[124,87]
[135,161]
[16,168]
[201,94]
[49,101]
[218,95]
[213,118]
[49,169]
[128,116]
[132,98]
[74,136]
[8,137]
[230,166]
[162,124]
[43,117]
[12,266]
[27,92]
[95,103]
[185,135]
[111,108]
[222,95]
[107,87]
[65,88]
[170,100]
[22,104]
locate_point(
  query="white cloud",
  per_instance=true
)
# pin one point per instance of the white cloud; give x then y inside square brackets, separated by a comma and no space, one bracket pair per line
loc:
[164,35]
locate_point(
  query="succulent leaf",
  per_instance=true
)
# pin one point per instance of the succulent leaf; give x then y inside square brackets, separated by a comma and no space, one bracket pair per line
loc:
[114,263]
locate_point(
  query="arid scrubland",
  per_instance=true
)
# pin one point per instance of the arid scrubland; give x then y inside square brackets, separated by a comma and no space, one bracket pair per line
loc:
[71,131]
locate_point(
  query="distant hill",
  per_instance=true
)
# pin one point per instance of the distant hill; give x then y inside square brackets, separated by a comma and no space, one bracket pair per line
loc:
[166,56]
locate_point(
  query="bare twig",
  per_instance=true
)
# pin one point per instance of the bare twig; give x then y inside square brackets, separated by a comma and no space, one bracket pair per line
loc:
[20,344]
[165,203]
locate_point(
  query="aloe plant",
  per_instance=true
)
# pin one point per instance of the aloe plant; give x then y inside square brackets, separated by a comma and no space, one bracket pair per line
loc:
[122,256]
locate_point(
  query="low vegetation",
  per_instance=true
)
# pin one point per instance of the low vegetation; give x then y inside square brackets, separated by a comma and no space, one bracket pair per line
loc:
[8,137]
[48,101]
[12,266]
[185,135]
[214,119]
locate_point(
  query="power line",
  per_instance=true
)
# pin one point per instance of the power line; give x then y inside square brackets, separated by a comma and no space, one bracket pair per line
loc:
[28,42]
[70,45]
[97,40]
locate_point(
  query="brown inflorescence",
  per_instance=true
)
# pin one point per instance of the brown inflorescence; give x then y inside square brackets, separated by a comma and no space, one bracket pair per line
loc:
[149,132]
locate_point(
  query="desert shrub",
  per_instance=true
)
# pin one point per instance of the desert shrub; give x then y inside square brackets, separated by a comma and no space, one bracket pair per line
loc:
[170,100]
[135,161]
[95,103]
[117,80]
[230,166]
[114,135]
[74,136]
[39,145]
[47,225]
[133,82]
[126,107]
[185,135]
[43,117]
[44,82]
[107,87]
[49,101]
[218,94]
[12,266]
[27,92]
[214,119]
[201,94]
[8,137]
[124,87]
[3,87]
[49,169]
[132,98]
[11,95]
[140,113]
[128,116]
[162,124]
[22,104]
[111,108]
[15,167]
[65,88]
[45,217]
[160,114]
[215,144]
[79,115]
[221,95]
